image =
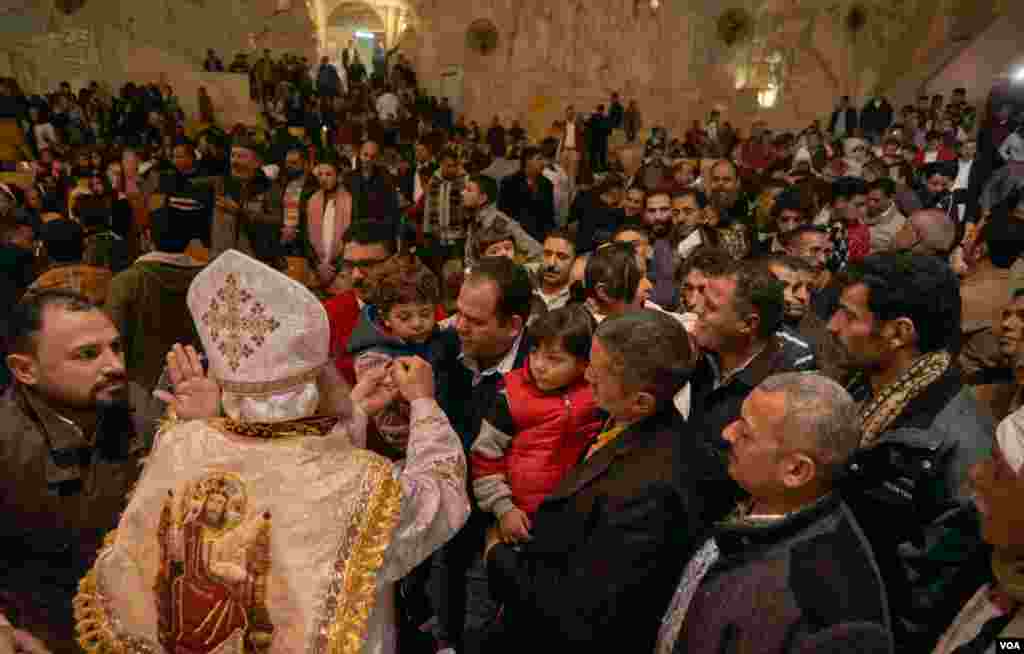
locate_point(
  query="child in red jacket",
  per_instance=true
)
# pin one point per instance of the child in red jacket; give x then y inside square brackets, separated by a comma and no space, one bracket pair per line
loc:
[543,422]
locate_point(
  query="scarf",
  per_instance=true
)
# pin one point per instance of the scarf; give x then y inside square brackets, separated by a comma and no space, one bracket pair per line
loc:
[878,413]
[1008,568]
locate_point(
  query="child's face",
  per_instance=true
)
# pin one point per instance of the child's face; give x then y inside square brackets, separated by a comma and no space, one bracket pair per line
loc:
[505,249]
[412,323]
[553,368]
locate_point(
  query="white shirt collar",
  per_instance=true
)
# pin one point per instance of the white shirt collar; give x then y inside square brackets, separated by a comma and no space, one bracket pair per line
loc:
[503,367]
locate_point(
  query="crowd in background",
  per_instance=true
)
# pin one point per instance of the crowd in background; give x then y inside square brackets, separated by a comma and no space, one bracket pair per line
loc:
[603,294]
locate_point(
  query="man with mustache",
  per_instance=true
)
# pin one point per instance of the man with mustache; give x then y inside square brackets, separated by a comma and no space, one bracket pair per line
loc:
[898,322]
[295,185]
[75,429]
[556,274]
[728,216]
[247,215]
[658,218]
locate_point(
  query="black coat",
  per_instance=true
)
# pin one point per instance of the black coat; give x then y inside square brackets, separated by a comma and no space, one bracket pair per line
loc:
[375,198]
[851,120]
[805,584]
[610,543]
[875,120]
[534,211]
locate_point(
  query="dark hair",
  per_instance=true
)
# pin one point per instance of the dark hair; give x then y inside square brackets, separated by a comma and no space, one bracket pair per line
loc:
[448,153]
[757,291]
[847,187]
[706,259]
[790,200]
[26,318]
[515,290]
[1003,237]
[498,231]
[634,226]
[372,232]
[562,234]
[923,289]
[407,285]
[571,325]
[64,239]
[698,196]
[650,350]
[529,152]
[487,186]
[796,264]
[170,233]
[883,184]
[615,267]
[549,147]
[93,211]
[801,230]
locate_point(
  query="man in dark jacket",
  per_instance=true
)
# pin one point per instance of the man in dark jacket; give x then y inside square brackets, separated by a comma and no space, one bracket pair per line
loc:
[844,119]
[374,194]
[790,571]
[328,82]
[528,196]
[739,320]
[247,215]
[73,432]
[875,118]
[899,323]
[609,544]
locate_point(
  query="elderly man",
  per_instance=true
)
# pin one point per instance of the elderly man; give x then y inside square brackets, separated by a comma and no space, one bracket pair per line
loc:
[73,430]
[609,543]
[898,322]
[226,501]
[790,571]
[247,215]
[929,232]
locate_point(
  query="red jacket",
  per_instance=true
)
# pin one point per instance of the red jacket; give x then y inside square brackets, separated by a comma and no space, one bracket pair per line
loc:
[944,154]
[552,432]
[343,315]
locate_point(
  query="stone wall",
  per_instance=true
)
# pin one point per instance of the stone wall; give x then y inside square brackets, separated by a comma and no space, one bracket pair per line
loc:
[97,41]
[672,60]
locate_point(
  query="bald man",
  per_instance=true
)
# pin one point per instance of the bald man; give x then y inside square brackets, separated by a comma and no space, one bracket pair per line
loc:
[927,231]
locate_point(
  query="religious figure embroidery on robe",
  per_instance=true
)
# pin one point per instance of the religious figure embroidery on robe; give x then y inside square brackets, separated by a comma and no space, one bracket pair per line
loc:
[211,587]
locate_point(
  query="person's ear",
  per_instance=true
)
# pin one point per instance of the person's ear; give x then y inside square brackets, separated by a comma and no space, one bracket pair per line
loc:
[645,403]
[798,470]
[24,367]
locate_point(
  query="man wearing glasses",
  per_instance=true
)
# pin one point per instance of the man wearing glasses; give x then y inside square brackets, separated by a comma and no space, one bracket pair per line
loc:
[366,247]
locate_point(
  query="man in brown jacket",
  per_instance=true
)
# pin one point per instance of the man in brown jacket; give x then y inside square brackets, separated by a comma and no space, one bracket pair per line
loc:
[73,430]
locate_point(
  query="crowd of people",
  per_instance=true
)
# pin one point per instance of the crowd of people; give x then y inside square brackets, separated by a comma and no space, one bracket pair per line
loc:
[677,394]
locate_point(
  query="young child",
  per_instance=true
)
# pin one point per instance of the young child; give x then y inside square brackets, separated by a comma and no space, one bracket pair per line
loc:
[543,421]
[401,320]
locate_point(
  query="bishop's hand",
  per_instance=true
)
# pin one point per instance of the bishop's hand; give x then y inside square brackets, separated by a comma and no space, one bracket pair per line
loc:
[375,390]
[196,396]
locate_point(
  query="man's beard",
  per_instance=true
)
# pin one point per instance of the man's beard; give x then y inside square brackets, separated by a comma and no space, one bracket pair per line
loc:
[661,229]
